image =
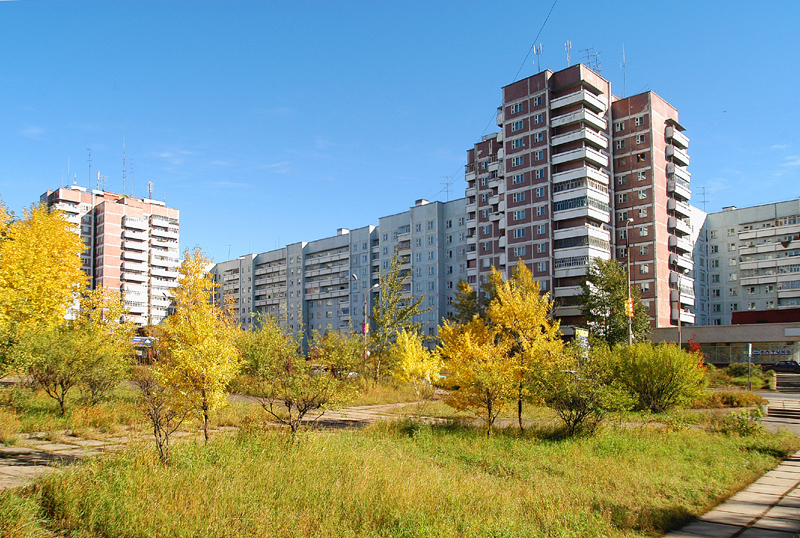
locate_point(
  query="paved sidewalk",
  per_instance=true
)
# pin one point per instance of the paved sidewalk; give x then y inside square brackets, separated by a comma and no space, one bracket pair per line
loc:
[768,508]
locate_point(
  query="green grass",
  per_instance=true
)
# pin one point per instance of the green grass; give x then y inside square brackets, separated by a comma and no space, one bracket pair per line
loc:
[402,479]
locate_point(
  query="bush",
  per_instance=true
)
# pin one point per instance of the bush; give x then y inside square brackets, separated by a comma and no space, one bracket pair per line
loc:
[743,422]
[732,398]
[739,369]
[661,376]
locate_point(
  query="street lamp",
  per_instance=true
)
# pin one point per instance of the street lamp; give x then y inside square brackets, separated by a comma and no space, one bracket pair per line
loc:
[628,259]
[365,327]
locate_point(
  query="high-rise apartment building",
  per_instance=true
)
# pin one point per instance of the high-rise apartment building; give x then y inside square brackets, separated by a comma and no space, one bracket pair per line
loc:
[752,260]
[132,246]
[327,284]
[577,174]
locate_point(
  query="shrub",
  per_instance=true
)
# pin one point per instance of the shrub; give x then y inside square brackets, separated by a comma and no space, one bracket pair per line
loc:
[660,376]
[739,369]
[743,422]
[732,398]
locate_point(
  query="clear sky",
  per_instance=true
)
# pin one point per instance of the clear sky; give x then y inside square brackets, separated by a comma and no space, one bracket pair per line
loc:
[267,123]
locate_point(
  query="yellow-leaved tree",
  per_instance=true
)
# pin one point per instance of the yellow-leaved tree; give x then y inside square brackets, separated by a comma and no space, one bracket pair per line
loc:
[416,365]
[200,356]
[521,315]
[40,274]
[480,367]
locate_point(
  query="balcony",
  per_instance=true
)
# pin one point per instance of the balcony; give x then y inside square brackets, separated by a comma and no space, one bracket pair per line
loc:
[134,245]
[136,235]
[683,262]
[161,261]
[687,317]
[580,116]
[678,138]
[500,117]
[588,154]
[471,191]
[133,277]
[679,226]
[683,245]
[129,287]
[680,172]
[567,291]
[583,207]
[595,102]
[686,296]
[679,188]
[134,266]
[131,255]
[678,155]
[584,171]
[134,223]
[166,234]
[681,208]
[163,273]
[587,135]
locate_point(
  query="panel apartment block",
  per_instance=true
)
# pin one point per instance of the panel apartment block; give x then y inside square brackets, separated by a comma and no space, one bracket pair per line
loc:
[753,259]
[132,246]
[326,284]
[541,190]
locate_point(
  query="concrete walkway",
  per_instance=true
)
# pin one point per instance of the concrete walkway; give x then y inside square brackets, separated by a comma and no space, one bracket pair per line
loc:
[767,508]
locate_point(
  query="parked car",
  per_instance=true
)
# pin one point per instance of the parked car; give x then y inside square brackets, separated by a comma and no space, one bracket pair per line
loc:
[791,367]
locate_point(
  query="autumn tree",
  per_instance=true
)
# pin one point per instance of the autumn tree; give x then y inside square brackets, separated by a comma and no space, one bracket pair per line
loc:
[521,316]
[40,274]
[603,300]
[394,311]
[199,353]
[482,372]
[164,417]
[465,302]
[288,386]
[416,365]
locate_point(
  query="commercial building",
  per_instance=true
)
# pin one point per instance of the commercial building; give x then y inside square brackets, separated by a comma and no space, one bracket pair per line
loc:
[752,259]
[132,246]
[329,283]
[576,174]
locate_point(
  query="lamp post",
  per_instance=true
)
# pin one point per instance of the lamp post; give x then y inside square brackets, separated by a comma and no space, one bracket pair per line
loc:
[628,259]
[365,327]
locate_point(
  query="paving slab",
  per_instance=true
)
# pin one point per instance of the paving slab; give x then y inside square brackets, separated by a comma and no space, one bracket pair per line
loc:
[89,442]
[54,447]
[784,512]
[751,497]
[773,489]
[766,533]
[776,524]
[710,530]
[731,518]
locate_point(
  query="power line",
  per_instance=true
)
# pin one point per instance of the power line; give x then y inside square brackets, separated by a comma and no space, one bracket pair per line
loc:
[535,39]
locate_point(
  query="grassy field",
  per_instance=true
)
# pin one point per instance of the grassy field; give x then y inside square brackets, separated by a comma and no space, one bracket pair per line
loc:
[400,479]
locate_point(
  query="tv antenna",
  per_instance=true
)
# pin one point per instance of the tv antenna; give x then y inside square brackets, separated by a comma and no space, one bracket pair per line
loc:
[149,190]
[623,70]
[447,184]
[592,59]
[568,48]
[703,191]
[537,50]
[101,182]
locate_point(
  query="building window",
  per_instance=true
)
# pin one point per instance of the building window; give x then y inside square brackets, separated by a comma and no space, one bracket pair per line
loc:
[519,252]
[732,262]
[537,101]
[518,161]
[641,175]
[539,174]
[640,139]
[541,229]
[732,277]
[518,143]
[485,214]
[643,213]
[519,233]
[734,307]
[538,118]
[539,192]
[715,279]
[540,211]
[431,255]
[418,227]
[538,155]
[643,194]
[623,216]
[641,157]
[517,179]
[622,180]
[518,197]
[448,239]
[733,292]
[461,221]
[619,126]
[486,246]
[541,248]
[643,250]
[644,231]
[620,144]
[485,197]
[715,293]
[645,287]
[716,308]
[484,181]
[541,267]
[516,109]
[487,230]
[714,234]
[418,242]
[644,268]
[621,161]
[714,264]
[731,247]
[638,122]
[430,225]
[622,198]
[714,249]
[519,215]
[448,224]
[430,240]
[517,126]
[538,137]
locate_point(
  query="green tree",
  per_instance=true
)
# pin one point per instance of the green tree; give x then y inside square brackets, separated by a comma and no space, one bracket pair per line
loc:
[465,303]
[603,300]
[200,355]
[522,316]
[40,275]
[394,311]
[288,386]
[660,376]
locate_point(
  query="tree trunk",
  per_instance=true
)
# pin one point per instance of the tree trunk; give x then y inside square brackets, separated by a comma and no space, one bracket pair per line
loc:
[489,419]
[519,413]
[205,416]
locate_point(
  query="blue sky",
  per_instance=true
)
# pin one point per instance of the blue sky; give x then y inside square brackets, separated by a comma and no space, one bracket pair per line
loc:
[273,122]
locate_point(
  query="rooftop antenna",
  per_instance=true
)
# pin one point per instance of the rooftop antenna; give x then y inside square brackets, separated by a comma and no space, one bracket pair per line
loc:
[568,48]
[623,70]
[150,190]
[90,166]
[537,50]
[592,59]
[123,166]
[447,184]
[101,182]
[703,191]
[131,165]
